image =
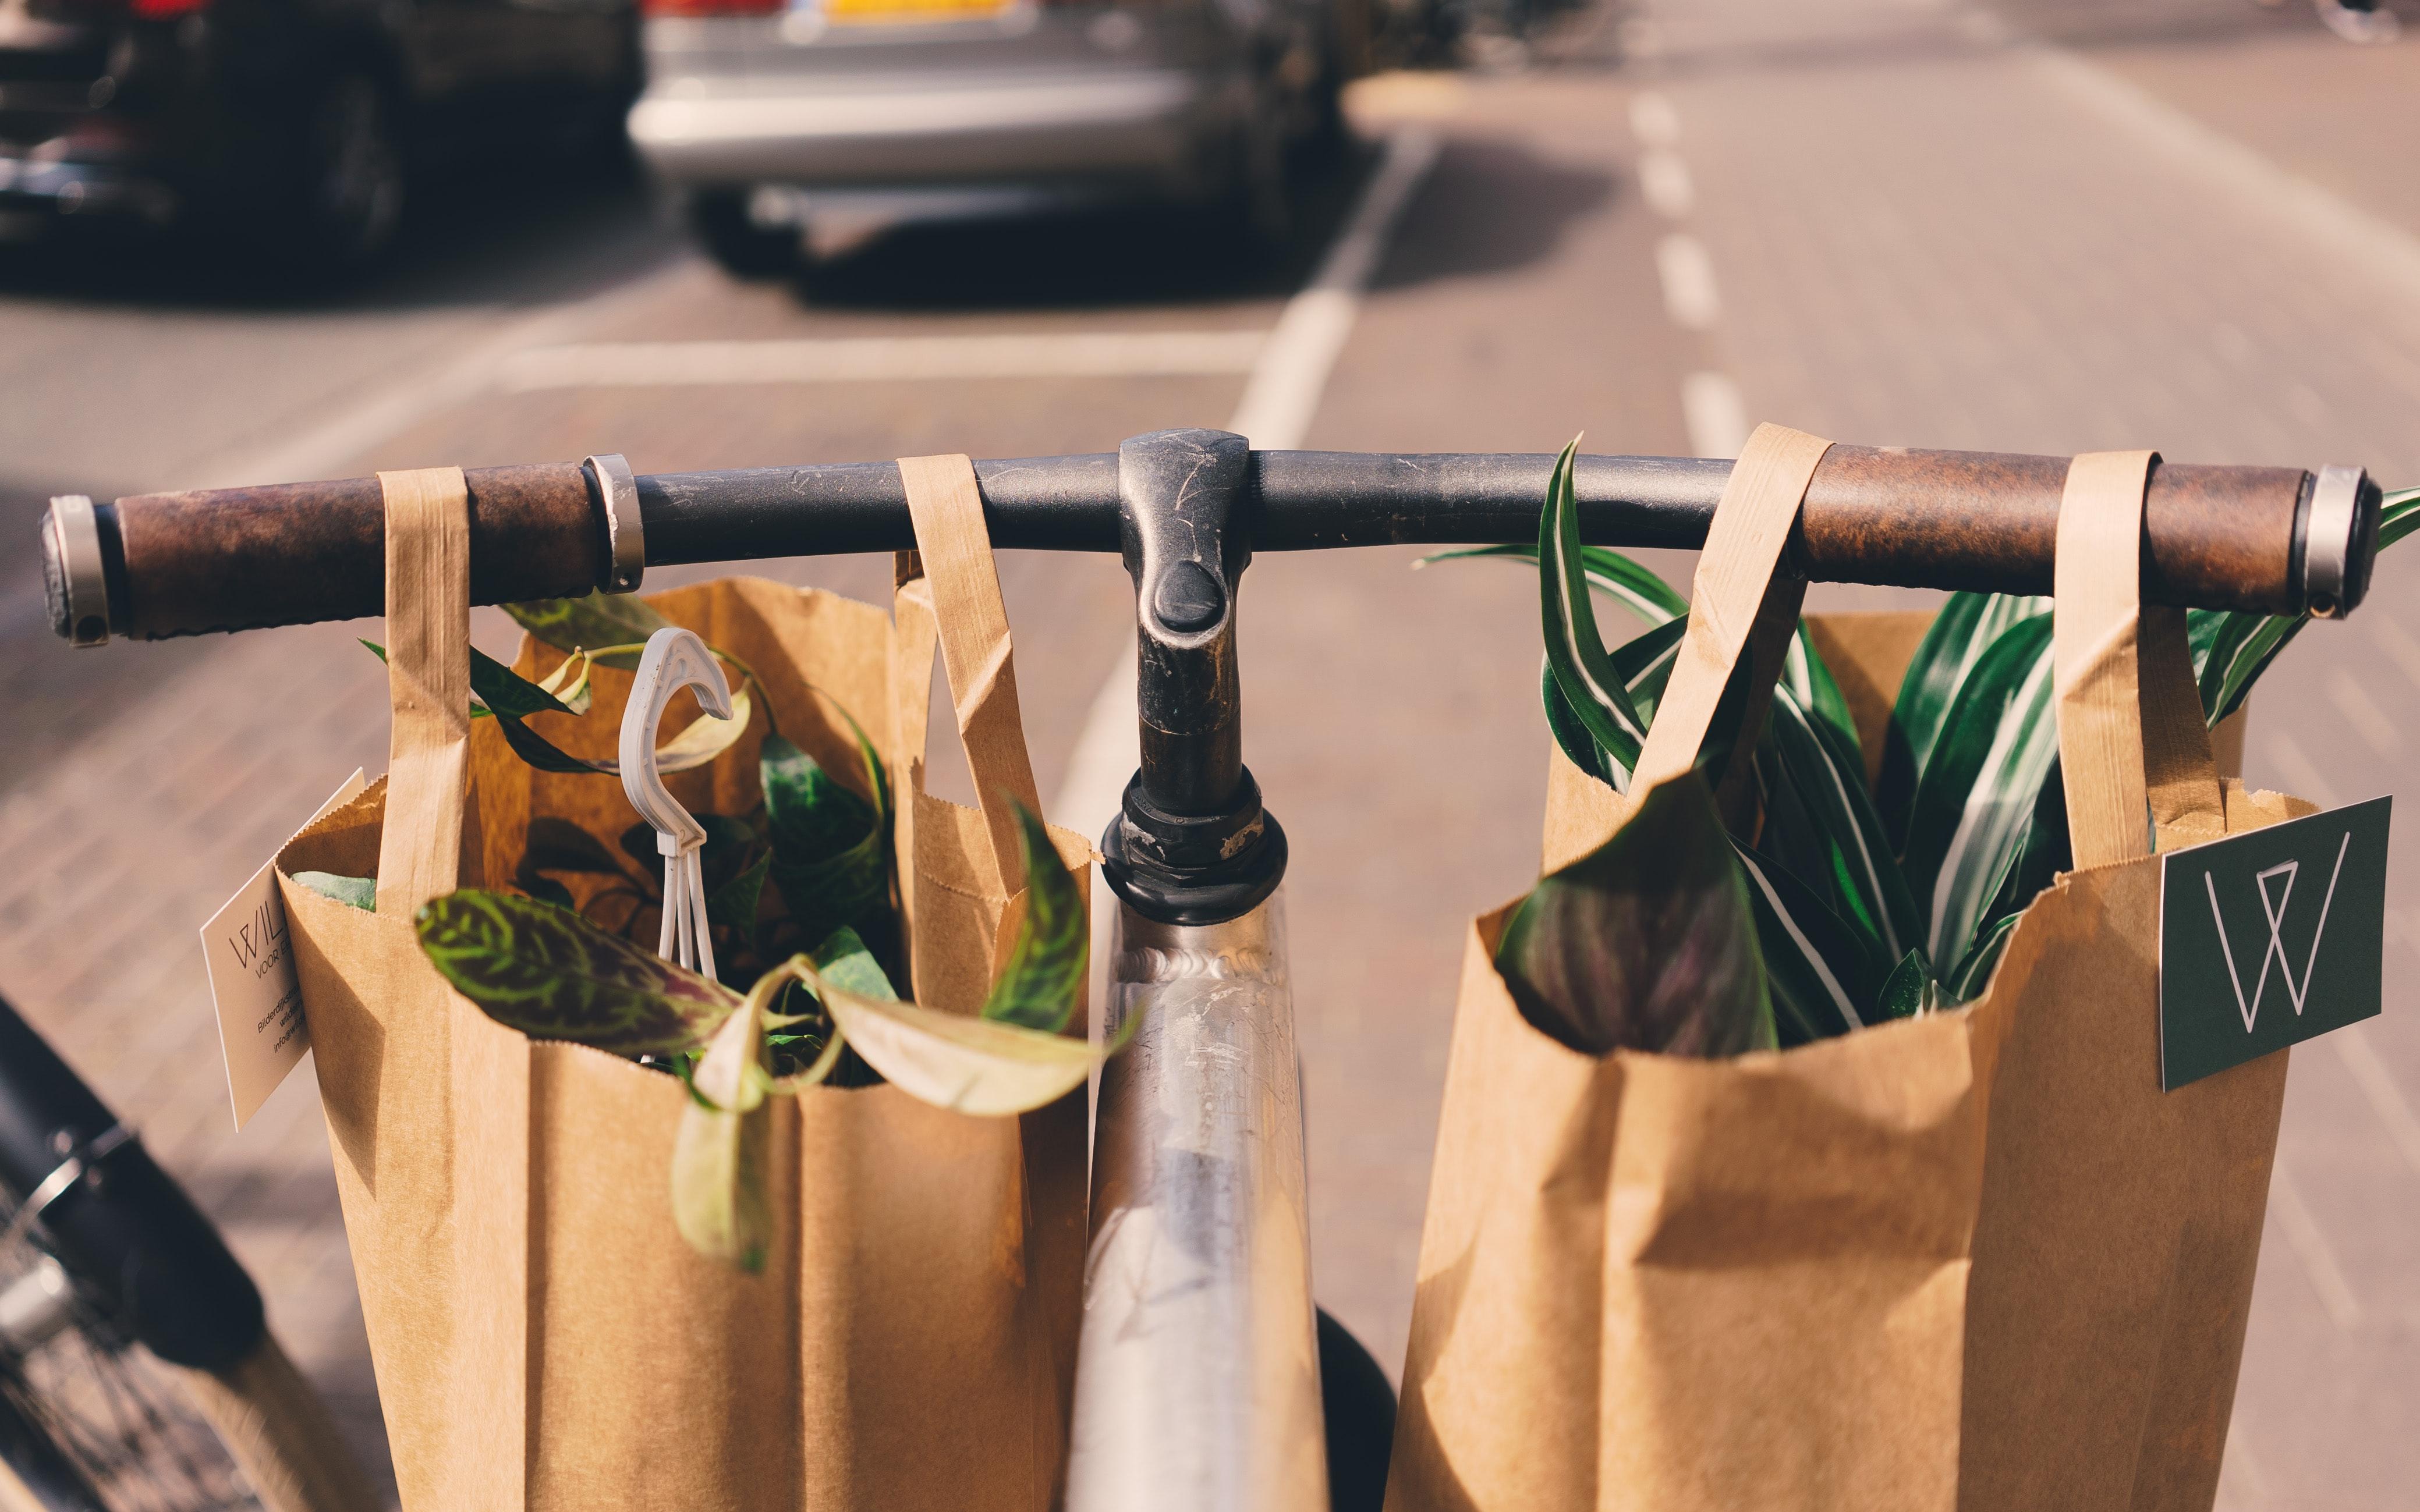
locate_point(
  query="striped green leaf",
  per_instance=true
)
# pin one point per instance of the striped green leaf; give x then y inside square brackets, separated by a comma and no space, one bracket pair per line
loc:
[1575,649]
[1910,992]
[1045,974]
[553,975]
[1821,823]
[1965,628]
[1822,971]
[2232,648]
[1974,803]
[1639,589]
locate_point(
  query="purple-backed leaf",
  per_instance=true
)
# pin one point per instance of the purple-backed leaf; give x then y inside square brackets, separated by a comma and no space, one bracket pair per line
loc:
[553,975]
[1646,943]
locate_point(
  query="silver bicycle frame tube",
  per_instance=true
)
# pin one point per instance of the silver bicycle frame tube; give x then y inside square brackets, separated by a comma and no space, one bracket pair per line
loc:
[1197,1376]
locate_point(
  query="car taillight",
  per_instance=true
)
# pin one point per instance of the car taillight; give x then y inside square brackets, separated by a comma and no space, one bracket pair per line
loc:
[713,7]
[165,9]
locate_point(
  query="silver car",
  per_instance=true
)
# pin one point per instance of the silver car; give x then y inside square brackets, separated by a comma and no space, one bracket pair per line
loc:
[761,114]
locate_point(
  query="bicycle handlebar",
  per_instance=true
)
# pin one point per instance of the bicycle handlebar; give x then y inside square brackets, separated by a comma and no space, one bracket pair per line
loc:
[2275,540]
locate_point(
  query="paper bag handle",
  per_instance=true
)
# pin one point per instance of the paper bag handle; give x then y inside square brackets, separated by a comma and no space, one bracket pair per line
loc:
[948,588]
[429,682]
[2133,750]
[1740,604]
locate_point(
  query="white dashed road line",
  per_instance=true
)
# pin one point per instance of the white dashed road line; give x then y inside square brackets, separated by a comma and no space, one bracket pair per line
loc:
[1653,120]
[1663,180]
[1688,277]
[1716,418]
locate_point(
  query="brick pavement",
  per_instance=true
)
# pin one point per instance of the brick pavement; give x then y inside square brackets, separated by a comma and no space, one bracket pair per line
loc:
[1916,237]
[1927,233]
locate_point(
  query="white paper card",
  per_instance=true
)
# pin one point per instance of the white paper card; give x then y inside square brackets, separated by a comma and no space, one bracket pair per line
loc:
[253,985]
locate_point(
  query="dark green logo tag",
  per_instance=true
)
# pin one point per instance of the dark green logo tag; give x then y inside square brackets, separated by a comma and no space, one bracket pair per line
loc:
[2270,938]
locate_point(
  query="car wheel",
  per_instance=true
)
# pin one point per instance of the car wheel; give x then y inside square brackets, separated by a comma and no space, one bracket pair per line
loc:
[742,248]
[352,175]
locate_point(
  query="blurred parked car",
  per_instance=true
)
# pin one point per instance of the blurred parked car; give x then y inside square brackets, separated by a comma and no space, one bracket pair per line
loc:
[758,113]
[294,123]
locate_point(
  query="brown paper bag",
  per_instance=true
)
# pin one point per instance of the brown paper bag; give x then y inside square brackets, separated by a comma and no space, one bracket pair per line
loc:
[1977,1260]
[543,1337]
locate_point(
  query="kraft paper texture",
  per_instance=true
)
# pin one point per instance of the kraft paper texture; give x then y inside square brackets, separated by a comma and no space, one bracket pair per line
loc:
[543,1337]
[1973,1261]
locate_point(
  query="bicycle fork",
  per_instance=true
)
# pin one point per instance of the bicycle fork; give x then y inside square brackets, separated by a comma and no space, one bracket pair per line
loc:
[1197,1379]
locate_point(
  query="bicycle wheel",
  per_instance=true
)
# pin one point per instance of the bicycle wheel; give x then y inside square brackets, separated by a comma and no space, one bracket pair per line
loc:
[89,1423]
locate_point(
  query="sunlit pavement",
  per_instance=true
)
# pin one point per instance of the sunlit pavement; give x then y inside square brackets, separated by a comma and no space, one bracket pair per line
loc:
[2188,224]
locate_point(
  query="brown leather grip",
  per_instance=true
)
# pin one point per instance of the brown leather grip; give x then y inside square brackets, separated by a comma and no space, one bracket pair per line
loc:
[235,559]
[2213,536]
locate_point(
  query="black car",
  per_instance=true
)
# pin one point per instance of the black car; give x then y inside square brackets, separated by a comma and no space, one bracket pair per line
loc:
[294,125]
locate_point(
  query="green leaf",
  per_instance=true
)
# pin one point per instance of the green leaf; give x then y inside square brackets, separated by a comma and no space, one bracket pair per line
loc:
[1959,636]
[620,623]
[553,975]
[952,1060]
[1820,821]
[1575,650]
[1635,588]
[1045,974]
[557,844]
[830,847]
[546,890]
[843,961]
[1580,748]
[1646,943]
[810,815]
[734,904]
[499,689]
[1968,979]
[512,699]
[720,1203]
[1975,804]
[1808,680]
[1824,973]
[1910,992]
[360,892]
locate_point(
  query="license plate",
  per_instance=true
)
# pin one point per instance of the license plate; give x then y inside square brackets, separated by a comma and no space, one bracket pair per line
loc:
[902,12]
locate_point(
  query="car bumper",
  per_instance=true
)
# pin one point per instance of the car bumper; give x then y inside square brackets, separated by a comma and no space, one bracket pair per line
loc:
[1141,124]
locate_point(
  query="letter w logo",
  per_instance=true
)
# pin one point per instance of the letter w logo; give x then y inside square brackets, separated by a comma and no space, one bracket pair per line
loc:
[2274,906]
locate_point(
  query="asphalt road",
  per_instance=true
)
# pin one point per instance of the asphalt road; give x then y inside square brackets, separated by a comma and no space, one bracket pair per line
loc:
[2051,226]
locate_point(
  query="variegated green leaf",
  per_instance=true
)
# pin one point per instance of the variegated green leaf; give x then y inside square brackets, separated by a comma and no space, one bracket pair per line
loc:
[358,892]
[954,1060]
[1637,588]
[512,699]
[613,628]
[1821,823]
[1975,804]
[554,975]
[1039,987]
[1965,628]
[1968,979]
[831,846]
[1910,992]
[1578,746]
[2232,648]
[1646,943]
[1807,681]
[1575,649]
[1823,972]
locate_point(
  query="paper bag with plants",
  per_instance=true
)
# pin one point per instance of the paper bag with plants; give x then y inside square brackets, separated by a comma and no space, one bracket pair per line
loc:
[1803,1142]
[805,1235]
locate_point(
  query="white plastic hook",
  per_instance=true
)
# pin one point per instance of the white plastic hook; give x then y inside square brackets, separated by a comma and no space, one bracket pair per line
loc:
[674,659]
